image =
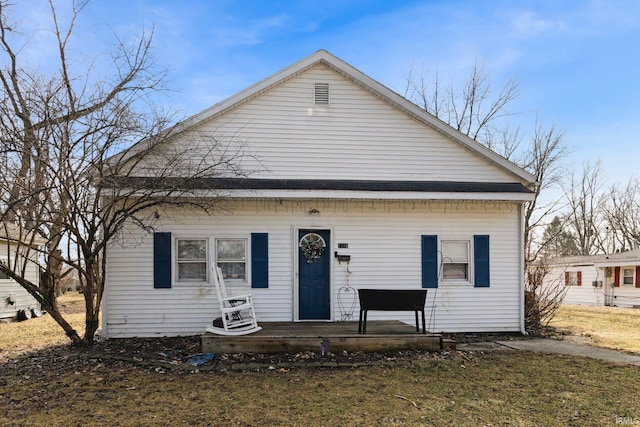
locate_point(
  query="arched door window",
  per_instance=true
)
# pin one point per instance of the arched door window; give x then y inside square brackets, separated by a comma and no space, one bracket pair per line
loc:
[312,246]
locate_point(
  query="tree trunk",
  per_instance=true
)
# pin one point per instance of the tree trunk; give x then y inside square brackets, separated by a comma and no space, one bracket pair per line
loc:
[49,301]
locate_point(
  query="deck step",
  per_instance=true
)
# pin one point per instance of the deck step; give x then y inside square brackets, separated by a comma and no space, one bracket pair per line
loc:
[448,344]
[337,337]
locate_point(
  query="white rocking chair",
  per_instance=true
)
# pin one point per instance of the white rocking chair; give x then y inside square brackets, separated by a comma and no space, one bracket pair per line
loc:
[237,314]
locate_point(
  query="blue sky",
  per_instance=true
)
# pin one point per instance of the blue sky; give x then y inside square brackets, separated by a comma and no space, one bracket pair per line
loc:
[578,62]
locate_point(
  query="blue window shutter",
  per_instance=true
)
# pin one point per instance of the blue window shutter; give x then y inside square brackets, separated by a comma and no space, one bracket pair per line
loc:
[481,261]
[259,260]
[162,260]
[429,261]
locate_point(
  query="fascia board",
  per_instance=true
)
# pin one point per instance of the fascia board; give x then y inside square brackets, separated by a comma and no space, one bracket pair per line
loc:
[346,195]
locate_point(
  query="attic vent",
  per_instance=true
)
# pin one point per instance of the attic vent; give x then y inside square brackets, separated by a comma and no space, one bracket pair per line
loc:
[322,93]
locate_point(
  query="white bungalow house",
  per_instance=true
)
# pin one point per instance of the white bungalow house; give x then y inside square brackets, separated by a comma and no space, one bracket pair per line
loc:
[15,301]
[610,279]
[353,186]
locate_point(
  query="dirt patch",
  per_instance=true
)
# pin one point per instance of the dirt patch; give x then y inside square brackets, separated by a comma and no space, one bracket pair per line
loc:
[183,353]
[46,341]
[176,351]
[485,336]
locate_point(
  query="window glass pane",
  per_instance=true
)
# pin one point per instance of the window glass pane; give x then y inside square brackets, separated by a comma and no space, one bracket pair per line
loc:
[192,260]
[233,270]
[573,278]
[454,271]
[231,255]
[455,260]
[628,276]
[455,251]
[231,249]
[192,249]
[192,271]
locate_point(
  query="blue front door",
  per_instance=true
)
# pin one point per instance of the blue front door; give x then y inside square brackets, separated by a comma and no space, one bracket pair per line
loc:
[314,256]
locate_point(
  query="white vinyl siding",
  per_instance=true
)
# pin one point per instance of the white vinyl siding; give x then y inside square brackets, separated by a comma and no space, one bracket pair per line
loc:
[282,134]
[384,243]
[586,294]
[604,292]
[10,288]
[359,137]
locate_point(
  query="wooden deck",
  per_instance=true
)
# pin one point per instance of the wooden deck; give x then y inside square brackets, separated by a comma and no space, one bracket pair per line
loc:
[290,337]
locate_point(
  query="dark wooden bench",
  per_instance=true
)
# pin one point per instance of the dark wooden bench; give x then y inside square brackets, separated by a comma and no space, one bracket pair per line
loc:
[391,300]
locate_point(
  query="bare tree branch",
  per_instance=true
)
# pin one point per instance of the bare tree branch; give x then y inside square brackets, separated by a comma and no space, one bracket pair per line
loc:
[622,211]
[57,137]
[583,194]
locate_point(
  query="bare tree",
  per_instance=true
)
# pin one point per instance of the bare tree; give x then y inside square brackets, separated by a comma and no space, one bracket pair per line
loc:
[64,196]
[476,110]
[542,158]
[557,241]
[542,297]
[584,214]
[622,210]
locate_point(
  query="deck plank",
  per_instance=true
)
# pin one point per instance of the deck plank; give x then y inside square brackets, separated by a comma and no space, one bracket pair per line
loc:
[285,337]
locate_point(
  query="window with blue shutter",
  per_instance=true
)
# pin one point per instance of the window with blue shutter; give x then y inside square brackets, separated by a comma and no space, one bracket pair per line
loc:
[481,261]
[259,260]
[429,261]
[162,260]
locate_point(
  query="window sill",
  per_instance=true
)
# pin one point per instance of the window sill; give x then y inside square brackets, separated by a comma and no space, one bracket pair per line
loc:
[192,284]
[456,283]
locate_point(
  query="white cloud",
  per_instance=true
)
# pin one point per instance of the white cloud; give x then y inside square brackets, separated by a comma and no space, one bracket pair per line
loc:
[529,23]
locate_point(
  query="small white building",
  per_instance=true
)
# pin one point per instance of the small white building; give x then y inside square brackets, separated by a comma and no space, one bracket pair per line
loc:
[605,280]
[353,187]
[15,299]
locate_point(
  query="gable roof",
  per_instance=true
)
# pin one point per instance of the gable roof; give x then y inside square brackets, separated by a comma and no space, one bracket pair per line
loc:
[13,233]
[363,81]
[603,260]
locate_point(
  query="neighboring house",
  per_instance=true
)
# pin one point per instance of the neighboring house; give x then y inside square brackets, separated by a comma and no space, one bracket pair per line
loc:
[70,281]
[612,280]
[354,187]
[15,299]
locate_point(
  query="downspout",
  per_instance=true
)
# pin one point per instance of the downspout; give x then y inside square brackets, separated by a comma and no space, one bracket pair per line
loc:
[522,272]
[104,333]
[104,304]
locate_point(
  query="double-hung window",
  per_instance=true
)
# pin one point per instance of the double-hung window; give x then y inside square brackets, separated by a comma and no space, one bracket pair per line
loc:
[573,278]
[231,257]
[188,260]
[192,256]
[628,276]
[455,260]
